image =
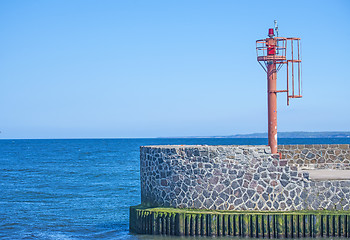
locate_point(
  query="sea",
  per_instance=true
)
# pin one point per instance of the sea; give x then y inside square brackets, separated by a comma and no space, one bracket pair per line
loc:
[83,188]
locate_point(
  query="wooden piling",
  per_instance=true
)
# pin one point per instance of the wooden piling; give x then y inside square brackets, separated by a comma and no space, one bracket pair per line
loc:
[257,224]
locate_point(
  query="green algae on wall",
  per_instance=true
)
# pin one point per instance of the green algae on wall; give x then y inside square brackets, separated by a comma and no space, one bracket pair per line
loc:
[192,222]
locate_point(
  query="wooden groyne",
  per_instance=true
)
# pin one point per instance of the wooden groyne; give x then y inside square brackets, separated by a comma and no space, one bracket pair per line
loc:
[292,224]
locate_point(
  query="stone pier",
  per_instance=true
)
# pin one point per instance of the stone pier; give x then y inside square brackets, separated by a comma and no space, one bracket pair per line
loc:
[181,184]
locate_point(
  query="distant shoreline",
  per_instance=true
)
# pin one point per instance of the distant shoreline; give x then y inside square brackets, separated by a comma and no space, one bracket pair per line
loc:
[300,134]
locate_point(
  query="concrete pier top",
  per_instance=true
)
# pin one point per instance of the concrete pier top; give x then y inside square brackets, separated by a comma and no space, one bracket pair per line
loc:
[329,174]
[200,146]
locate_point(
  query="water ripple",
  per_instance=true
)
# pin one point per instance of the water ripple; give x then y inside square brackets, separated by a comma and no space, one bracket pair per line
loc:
[77,189]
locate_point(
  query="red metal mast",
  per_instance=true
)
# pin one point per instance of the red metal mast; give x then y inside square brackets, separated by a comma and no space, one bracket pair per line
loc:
[271,92]
[272,52]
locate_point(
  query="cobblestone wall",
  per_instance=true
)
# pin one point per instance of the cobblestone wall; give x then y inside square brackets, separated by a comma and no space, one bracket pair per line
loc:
[317,156]
[219,177]
[331,195]
[232,178]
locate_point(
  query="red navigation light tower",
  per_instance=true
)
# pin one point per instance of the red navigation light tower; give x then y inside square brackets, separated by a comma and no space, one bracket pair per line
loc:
[272,51]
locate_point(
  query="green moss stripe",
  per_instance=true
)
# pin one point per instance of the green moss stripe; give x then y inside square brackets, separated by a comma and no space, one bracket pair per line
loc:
[261,224]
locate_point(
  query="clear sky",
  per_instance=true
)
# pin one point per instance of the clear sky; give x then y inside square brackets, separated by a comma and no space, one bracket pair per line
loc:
[83,68]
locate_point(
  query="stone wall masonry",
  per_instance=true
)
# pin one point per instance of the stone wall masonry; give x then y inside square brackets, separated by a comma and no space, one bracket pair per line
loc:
[330,195]
[236,178]
[317,156]
[327,194]
[220,178]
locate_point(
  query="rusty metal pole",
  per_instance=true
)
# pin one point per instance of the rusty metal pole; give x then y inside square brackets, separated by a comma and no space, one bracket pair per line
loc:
[272,93]
[272,106]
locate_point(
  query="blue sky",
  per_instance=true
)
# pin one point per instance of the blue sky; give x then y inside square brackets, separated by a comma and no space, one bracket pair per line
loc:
[82,68]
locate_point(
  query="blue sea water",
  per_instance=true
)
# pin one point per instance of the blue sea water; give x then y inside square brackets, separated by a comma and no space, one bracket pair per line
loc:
[81,188]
